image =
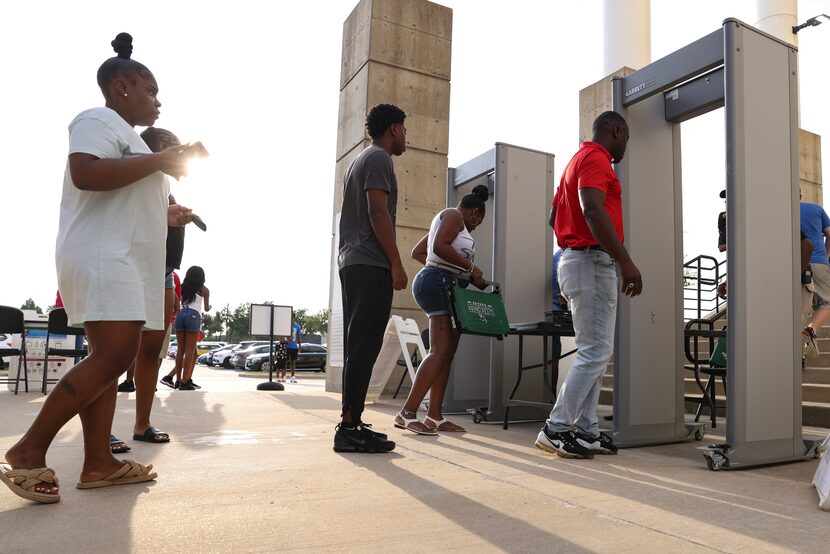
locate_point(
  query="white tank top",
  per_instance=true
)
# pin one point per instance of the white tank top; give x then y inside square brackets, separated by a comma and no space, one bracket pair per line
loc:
[463,243]
[196,304]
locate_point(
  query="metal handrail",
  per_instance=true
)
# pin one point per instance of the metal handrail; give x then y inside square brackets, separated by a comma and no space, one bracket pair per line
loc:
[701,277]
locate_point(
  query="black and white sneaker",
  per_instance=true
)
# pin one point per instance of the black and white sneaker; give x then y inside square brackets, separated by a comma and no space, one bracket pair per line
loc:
[194,385]
[564,444]
[810,344]
[360,439]
[168,381]
[599,445]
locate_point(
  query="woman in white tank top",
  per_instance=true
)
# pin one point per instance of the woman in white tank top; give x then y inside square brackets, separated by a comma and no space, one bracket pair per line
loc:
[186,326]
[448,253]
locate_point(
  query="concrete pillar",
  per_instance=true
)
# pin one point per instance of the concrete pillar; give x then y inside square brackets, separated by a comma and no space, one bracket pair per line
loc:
[809,167]
[595,99]
[626,33]
[397,52]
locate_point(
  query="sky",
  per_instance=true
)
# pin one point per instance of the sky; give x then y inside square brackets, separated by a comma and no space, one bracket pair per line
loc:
[258,84]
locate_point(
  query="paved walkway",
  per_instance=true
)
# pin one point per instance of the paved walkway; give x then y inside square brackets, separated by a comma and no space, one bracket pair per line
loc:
[251,471]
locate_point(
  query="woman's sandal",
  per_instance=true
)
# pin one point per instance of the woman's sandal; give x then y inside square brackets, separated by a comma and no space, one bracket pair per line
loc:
[130,472]
[22,482]
[444,425]
[408,425]
[117,446]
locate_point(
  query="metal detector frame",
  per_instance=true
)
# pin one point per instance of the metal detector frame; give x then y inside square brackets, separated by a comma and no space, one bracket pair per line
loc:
[754,77]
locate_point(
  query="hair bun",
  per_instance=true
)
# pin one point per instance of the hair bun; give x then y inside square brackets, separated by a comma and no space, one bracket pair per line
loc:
[481,191]
[123,45]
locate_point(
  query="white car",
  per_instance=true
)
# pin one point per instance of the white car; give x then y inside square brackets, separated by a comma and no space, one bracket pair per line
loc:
[224,356]
[5,342]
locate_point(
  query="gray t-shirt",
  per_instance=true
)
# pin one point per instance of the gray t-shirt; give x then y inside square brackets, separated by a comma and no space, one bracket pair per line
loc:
[371,169]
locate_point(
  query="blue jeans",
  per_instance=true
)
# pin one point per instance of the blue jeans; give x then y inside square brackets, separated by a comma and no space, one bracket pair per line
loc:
[589,281]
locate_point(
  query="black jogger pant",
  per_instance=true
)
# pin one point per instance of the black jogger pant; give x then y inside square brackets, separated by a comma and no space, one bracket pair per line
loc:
[367,302]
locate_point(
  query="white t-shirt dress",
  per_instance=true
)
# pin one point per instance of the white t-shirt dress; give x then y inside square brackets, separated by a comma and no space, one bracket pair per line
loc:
[110,250]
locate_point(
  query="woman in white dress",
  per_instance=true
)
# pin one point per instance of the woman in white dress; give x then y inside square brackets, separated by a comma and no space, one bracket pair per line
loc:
[110,262]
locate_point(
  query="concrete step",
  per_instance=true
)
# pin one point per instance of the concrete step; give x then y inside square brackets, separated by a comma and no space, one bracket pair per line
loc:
[816,375]
[817,378]
[813,414]
[815,393]
[810,392]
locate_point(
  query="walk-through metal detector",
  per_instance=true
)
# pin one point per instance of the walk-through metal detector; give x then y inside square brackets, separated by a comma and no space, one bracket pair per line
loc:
[753,76]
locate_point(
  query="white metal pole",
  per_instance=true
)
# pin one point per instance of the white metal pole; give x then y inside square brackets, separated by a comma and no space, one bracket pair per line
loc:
[777,18]
[627,34]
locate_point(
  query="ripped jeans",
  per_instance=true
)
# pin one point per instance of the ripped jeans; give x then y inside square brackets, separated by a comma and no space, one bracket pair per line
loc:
[588,279]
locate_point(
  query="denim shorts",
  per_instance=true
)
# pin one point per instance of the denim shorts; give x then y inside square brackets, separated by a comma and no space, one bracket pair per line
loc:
[429,290]
[168,281]
[188,320]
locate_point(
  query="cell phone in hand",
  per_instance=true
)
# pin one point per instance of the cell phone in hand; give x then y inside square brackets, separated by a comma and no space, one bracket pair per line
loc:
[197,150]
[197,221]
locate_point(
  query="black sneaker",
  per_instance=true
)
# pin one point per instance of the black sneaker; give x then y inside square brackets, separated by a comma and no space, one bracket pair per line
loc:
[565,444]
[368,427]
[360,439]
[168,381]
[602,445]
[126,386]
[194,385]
[185,386]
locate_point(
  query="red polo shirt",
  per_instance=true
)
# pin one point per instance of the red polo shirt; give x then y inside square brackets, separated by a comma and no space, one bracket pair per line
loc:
[590,167]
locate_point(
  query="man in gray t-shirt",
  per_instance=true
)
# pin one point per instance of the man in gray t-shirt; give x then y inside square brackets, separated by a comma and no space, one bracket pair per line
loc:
[371,169]
[370,269]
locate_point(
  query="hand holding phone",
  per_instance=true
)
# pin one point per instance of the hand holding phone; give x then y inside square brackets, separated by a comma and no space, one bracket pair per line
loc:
[197,221]
[196,150]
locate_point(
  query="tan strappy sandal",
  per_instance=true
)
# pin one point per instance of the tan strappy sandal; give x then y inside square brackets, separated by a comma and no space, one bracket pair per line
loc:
[22,482]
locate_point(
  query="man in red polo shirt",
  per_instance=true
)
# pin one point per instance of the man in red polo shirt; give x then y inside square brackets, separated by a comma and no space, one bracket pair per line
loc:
[587,218]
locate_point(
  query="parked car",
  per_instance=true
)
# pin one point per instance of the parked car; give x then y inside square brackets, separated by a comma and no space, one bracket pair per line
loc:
[224,356]
[201,348]
[202,359]
[312,357]
[216,357]
[241,356]
[206,346]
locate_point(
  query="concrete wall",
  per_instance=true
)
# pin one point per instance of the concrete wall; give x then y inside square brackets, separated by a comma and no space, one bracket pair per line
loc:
[397,52]
[809,167]
[595,99]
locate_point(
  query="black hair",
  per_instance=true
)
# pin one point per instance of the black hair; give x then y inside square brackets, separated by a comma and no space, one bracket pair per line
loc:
[152,136]
[381,117]
[476,199]
[193,282]
[606,121]
[121,64]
